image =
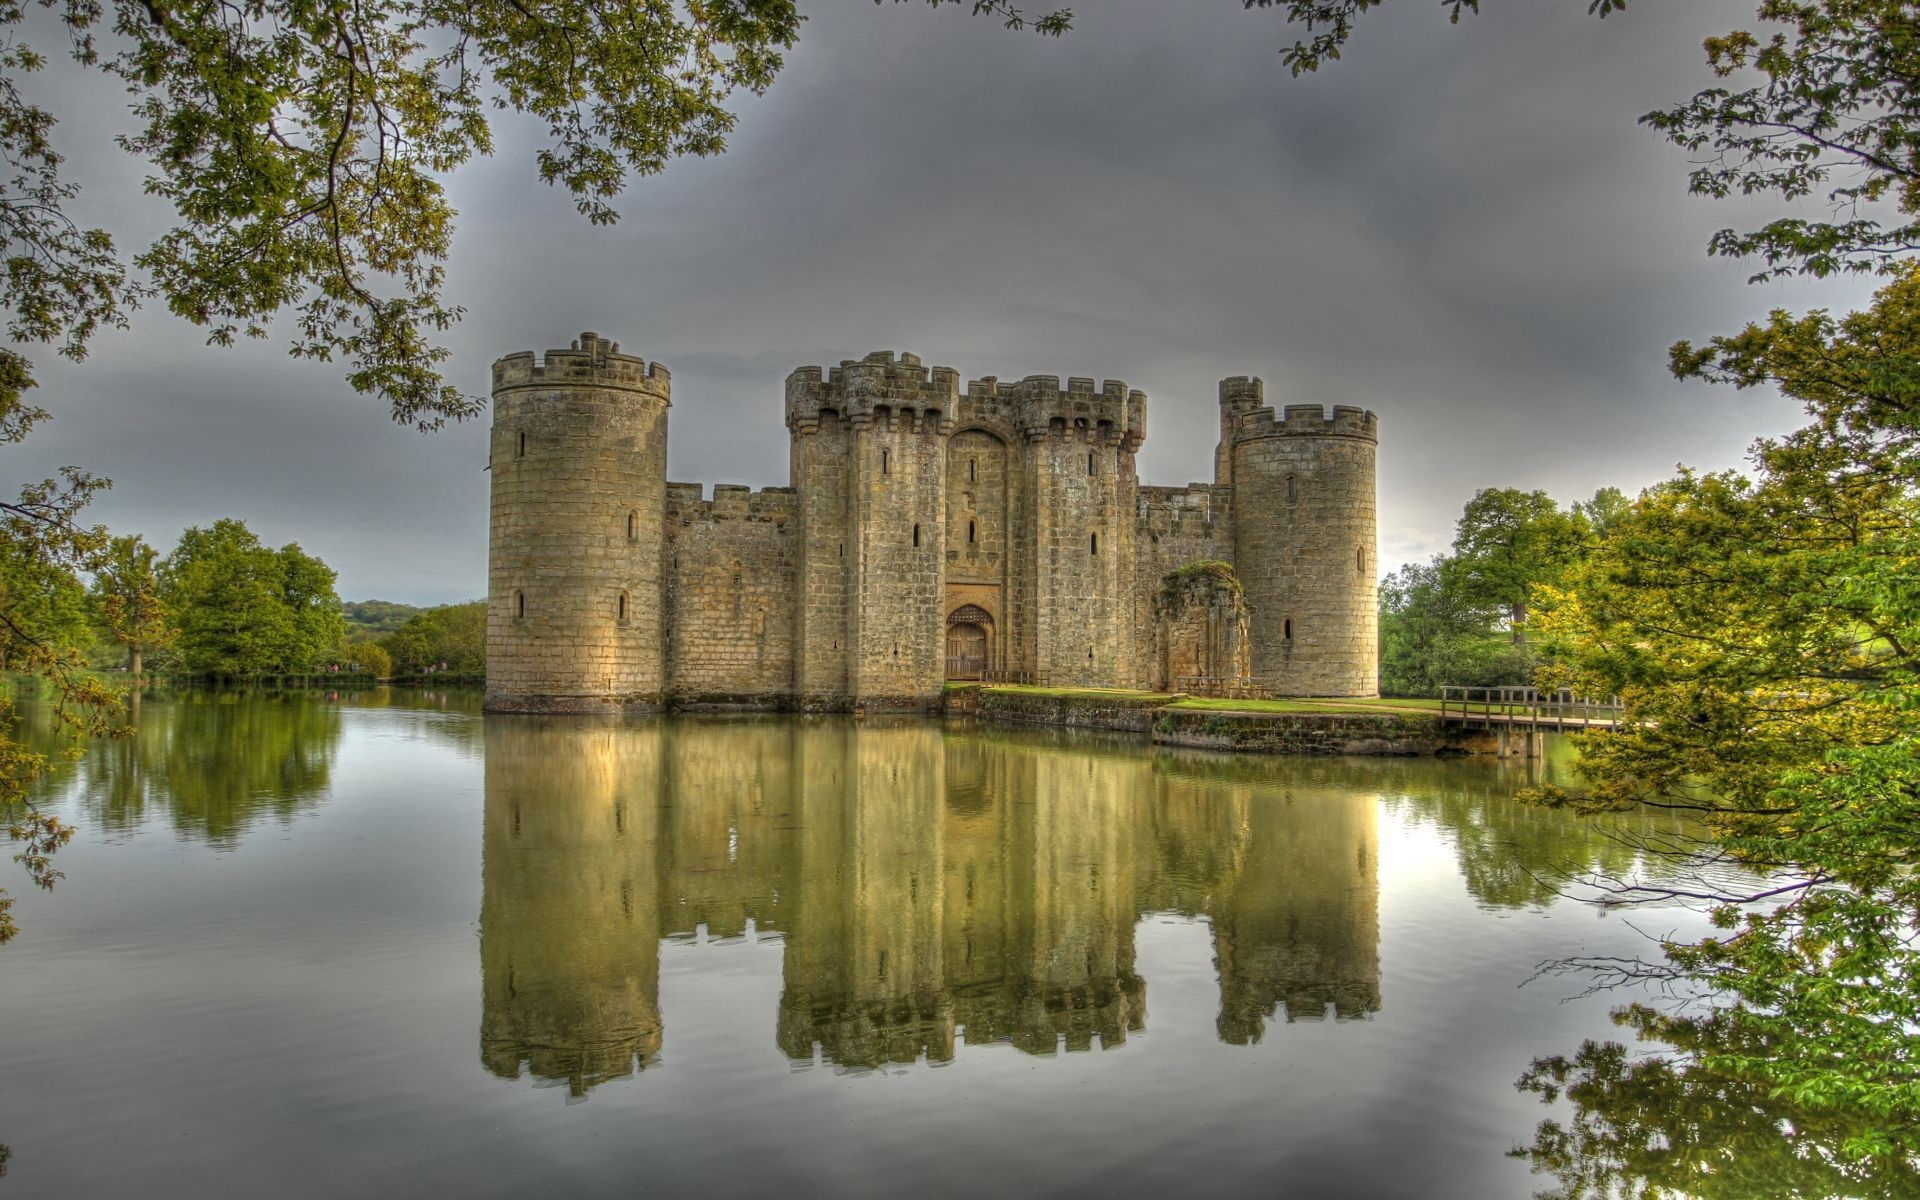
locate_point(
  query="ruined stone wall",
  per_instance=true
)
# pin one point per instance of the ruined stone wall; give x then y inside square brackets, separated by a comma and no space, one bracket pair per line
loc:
[578,465]
[1200,632]
[730,615]
[1304,548]
[1174,528]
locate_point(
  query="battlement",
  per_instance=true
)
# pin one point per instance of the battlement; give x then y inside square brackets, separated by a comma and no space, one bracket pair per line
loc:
[1040,409]
[731,502]
[880,388]
[1309,420]
[1160,507]
[591,361]
[1243,393]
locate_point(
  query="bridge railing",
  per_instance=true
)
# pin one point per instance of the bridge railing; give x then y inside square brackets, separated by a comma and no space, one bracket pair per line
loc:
[1557,709]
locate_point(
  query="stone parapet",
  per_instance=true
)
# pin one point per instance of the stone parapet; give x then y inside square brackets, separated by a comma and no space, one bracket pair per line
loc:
[895,392]
[591,359]
[1309,420]
[1038,408]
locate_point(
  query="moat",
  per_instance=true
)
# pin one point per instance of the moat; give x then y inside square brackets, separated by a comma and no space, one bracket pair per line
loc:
[382,944]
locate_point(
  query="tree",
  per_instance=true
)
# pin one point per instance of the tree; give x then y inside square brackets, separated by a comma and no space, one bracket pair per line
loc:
[364,658]
[1607,509]
[243,609]
[454,634]
[1509,542]
[1763,631]
[302,149]
[126,591]
[1431,636]
[1647,1128]
[41,538]
[1833,110]
[45,605]
[1765,635]
[376,616]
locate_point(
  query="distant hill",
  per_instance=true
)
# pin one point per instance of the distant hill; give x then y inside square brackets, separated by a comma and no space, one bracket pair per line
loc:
[376,616]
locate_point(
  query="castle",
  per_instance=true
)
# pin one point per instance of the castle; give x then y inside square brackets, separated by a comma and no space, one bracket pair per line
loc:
[932,531]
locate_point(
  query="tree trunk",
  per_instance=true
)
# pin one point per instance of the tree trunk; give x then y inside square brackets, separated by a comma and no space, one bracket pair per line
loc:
[1516,621]
[133,661]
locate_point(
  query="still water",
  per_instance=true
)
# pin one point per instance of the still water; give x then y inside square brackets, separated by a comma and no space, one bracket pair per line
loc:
[383,945]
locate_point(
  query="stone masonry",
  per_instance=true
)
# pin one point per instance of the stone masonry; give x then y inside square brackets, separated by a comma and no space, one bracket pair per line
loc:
[931,531]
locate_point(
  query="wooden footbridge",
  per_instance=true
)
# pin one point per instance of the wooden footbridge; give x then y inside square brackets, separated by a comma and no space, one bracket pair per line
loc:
[1518,716]
[1527,708]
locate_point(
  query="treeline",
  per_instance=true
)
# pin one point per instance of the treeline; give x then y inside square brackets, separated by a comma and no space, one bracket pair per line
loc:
[1463,618]
[446,644]
[221,606]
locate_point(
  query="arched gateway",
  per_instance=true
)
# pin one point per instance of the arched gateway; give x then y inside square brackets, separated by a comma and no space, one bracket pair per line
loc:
[969,642]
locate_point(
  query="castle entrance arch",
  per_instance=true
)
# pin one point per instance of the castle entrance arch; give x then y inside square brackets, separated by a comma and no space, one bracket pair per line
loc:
[969,642]
[976,567]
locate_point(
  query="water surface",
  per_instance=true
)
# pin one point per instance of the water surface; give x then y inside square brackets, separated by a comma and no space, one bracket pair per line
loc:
[381,944]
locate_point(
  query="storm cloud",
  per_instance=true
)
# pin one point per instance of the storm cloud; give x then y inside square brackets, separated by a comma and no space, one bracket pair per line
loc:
[1462,228]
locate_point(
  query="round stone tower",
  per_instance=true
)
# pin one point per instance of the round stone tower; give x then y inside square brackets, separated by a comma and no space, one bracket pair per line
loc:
[1304,547]
[574,578]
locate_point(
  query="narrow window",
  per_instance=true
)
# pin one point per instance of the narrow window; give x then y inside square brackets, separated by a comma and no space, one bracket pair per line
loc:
[521,450]
[623,606]
[886,461]
[1291,495]
[916,535]
[843,549]
[519,605]
[1093,543]
[969,533]
[1089,464]
[1360,559]
[633,526]
[970,475]
[1286,629]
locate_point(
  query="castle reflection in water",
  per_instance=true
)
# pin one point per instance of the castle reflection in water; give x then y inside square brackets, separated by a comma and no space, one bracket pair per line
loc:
[925,882]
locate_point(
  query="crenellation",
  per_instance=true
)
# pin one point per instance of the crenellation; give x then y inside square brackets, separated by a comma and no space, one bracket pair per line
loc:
[928,531]
[1308,420]
[591,358]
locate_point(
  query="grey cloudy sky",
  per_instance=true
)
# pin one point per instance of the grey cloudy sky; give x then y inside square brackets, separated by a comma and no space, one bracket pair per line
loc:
[1460,228]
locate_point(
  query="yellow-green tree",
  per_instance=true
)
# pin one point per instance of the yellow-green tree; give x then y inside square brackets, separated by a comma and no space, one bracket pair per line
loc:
[1764,633]
[1763,630]
[126,592]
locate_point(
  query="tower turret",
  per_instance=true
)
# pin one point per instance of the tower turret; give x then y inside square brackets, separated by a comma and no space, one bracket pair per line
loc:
[1238,397]
[579,464]
[869,461]
[1304,547]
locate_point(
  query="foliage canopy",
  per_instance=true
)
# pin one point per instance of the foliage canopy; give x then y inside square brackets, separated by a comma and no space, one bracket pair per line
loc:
[244,609]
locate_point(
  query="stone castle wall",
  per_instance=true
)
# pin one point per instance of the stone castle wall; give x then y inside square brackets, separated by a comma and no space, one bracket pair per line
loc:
[730,613]
[1174,528]
[1012,511]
